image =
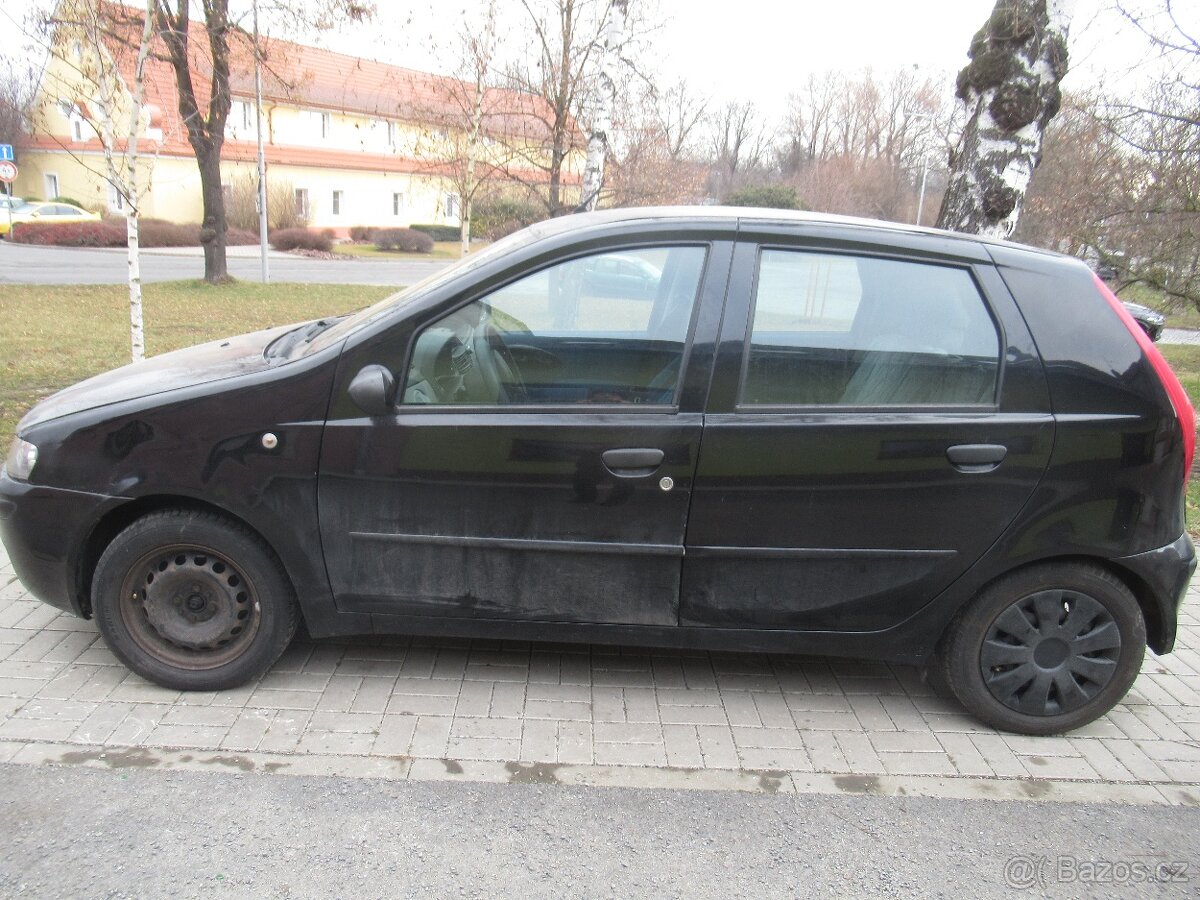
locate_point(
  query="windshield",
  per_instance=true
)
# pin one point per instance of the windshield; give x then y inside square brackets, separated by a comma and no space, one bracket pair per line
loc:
[405,297]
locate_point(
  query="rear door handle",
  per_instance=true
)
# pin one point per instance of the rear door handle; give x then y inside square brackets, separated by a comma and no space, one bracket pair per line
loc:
[974,458]
[632,462]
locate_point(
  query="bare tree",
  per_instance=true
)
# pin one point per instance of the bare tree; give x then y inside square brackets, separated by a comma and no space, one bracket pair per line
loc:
[558,69]
[93,77]
[606,100]
[738,143]
[18,89]
[1010,92]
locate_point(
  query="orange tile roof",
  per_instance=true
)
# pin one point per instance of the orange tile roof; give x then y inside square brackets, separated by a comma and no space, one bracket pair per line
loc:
[303,76]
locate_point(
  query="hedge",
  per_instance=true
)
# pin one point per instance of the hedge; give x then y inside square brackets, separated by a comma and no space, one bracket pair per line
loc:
[439,232]
[69,234]
[302,239]
[404,240]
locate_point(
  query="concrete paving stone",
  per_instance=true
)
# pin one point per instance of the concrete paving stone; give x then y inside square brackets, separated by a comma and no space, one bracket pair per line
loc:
[1068,767]
[12,637]
[997,754]
[1162,726]
[421,704]
[138,724]
[772,738]
[335,742]
[356,723]
[69,649]
[380,668]
[324,659]
[373,696]
[668,672]
[340,692]
[866,685]
[395,736]
[791,678]
[631,678]
[442,687]
[37,645]
[475,698]
[236,697]
[294,681]
[248,729]
[692,715]
[545,668]
[903,713]
[628,732]
[498,749]
[1134,759]
[1100,728]
[717,747]
[18,728]
[284,699]
[558,709]
[1131,726]
[608,704]
[871,714]
[39,616]
[1041,746]
[575,742]
[293,658]
[685,697]
[737,681]
[775,758]
[575,670]
[213,716]
[514,674]
[431,736]
[740,709]
[1185,772]
[507,729]
[682,745]
[1102,760]
[913,682]
[1178,751]
[824,721]
[64,685]
[573,693]
[1183,690]
[641,705]
[917,763]
[193,736]
[905,742]
[451,662]
[773,711]
[860,755]
[539,741]
[630,754]
[508,699]
[960,723]
[17,668]
[965,756]
[284,732]
[69,710]
[137,690]
[835,703]
[99,655]
[98,727]
[824,752]
[418,662]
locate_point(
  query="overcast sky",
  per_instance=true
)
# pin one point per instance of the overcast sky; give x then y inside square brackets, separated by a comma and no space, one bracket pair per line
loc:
[756,49]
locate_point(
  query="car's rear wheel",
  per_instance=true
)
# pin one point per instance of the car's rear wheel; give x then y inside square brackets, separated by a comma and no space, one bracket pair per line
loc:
[1045,650]
[193,601]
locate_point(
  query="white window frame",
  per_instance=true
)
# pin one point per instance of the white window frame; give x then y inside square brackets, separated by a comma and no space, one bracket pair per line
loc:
[338,203]
[47,179]
[300,199]
[450,205]
[397,202]
[116,200]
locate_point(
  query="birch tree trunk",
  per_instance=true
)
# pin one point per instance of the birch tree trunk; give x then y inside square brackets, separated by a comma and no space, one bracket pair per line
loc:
[593,172]
[1010,91]
[137,336]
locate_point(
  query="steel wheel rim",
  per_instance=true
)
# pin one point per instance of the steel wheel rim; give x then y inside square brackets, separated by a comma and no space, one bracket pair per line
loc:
[188,606]
[1050,653]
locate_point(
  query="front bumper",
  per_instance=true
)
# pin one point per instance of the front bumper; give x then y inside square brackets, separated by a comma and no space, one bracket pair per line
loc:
[45,532]
[1165,574]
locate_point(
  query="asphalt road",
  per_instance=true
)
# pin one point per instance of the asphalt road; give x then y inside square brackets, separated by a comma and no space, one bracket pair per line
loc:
[76,832]
[23,264]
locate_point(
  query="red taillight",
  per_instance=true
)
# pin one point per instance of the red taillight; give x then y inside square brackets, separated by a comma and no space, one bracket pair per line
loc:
[1179,398]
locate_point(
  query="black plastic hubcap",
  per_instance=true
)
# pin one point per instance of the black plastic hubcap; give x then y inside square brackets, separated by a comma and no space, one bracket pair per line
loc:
[1050,653]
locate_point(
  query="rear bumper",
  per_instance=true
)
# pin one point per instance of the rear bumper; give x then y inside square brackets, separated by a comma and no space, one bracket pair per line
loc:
[44,531]
[1164,574]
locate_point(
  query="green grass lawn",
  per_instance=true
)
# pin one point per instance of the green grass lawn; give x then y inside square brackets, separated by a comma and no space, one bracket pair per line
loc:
[55,335]
[441,250]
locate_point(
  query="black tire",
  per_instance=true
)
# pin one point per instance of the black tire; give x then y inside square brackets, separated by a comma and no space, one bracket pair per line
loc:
[193,601]
[1045,650]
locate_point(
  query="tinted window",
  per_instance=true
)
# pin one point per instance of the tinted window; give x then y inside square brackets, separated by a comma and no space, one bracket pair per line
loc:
[606,328]
[858,331]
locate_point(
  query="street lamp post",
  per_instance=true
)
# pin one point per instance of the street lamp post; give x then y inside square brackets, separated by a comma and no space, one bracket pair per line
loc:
[262,162]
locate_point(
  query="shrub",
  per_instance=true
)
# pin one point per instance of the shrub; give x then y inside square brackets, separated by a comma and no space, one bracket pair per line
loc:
[237,237]
[301,239]
[498,217]
[70,234]
[241,204]
[362,234]
[439,232]
[404,240]
[771,196]
[161,233]
[70,200]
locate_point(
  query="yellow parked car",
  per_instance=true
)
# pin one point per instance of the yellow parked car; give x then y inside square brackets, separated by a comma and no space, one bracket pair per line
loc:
[45,212]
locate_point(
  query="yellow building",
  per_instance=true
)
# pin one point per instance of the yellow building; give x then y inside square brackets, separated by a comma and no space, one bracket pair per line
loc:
[348,141]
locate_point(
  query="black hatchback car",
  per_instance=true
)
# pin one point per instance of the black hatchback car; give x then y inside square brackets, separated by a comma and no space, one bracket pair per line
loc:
[807,434]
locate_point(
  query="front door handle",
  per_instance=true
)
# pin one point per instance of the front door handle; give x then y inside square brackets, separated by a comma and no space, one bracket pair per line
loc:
[632,462]
[973,458]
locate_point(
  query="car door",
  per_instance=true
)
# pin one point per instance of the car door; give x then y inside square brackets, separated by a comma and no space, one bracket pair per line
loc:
[878,416]
[538,463]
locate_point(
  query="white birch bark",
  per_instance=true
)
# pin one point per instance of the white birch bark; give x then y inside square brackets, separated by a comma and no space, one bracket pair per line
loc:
[1010,91]
[598,138]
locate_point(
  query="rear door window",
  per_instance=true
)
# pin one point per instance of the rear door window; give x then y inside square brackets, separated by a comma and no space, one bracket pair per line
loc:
[843,330]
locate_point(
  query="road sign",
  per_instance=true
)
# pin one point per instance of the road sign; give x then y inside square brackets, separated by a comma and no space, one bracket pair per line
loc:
[6,152]
[8,171]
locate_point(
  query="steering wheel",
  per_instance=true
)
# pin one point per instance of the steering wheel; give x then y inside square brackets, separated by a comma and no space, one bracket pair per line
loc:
[512,382]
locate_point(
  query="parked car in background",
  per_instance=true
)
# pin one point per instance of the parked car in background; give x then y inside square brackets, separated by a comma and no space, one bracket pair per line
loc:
[1152,322]
[7,203]
[45,212]
[810,434]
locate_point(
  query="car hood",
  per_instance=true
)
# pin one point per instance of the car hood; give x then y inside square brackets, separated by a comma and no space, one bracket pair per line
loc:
[204,363]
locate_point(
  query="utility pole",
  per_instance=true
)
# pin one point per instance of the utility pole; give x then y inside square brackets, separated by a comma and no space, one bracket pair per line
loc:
[262,161]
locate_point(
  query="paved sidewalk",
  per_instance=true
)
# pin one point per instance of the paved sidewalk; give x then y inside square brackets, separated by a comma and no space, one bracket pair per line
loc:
[499,710]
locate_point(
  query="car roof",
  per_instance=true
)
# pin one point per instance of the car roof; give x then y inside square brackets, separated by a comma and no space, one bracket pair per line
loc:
[753,216]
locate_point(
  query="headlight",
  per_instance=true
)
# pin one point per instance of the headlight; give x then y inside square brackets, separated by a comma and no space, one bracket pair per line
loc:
[22,457]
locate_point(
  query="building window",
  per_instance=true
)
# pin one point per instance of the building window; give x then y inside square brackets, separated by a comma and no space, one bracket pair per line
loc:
[450,205]
[337,202]
[302,203]
[51,185]
[76,128]
[391,134]
[397,203]
[241,117]
[116,200]
[326,124]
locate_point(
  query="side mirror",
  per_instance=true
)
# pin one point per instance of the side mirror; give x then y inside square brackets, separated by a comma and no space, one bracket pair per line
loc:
[374,390]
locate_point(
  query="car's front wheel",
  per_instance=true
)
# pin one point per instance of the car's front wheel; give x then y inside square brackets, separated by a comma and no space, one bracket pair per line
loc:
[1045,650]
[193,601]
